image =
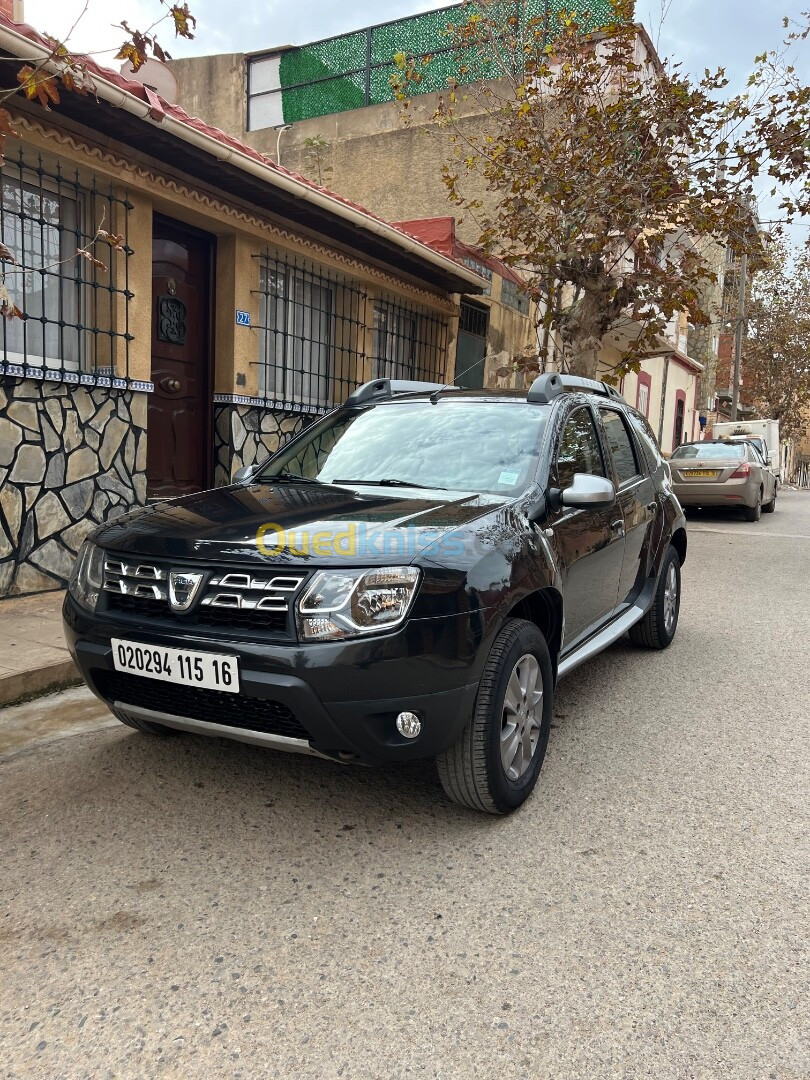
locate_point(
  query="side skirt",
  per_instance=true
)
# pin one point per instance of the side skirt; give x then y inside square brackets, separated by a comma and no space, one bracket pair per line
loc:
[612,632]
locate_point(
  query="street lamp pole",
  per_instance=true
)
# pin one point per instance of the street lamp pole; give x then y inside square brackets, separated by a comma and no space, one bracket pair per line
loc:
[738,337]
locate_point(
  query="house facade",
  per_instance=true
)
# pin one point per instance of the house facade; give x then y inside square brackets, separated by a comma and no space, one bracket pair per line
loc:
[186,307]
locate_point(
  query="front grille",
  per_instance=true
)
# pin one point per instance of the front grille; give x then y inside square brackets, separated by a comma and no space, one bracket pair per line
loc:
[229,599]
[209,706]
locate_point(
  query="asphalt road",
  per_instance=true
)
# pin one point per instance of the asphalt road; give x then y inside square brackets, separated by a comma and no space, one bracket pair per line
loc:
[186,908]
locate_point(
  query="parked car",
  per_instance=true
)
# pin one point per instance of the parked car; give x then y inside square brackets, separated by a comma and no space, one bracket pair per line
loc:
[407,578]
[722,473]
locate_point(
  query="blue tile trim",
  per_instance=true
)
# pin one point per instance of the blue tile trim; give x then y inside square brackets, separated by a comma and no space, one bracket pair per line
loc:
[269,403]
[74,378]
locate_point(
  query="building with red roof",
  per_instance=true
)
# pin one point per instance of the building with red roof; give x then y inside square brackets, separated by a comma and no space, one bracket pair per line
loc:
[178,305]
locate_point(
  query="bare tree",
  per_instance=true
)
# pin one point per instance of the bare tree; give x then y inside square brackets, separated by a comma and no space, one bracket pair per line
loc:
[777,347]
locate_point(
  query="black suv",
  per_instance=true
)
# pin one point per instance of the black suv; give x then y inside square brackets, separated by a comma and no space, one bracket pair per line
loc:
[407,578]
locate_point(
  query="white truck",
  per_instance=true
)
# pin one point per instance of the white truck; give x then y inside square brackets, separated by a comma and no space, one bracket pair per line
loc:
[763,433]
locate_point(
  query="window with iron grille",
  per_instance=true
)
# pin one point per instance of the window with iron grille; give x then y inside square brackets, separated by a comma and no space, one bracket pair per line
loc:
[474,319]
[407,344]
[514,296]
[313,333]
[75,313]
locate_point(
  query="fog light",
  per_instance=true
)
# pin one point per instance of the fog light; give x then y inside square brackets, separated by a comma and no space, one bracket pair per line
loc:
[409,724]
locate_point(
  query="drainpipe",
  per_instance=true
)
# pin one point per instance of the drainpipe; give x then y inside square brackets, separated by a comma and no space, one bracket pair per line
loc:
[663,402]
[281,130]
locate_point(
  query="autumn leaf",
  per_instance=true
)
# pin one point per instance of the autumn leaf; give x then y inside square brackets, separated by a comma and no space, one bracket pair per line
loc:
[183,21]
[115,240]
[129,51]
[6,254]
[8,309]
[90,257]
[38,86]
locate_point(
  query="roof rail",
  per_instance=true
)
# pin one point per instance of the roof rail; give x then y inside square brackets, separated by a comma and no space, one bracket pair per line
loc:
[550,385]
[379,389]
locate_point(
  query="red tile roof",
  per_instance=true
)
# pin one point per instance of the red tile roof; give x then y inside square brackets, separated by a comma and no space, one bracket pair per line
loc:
[440,234]
[159,107]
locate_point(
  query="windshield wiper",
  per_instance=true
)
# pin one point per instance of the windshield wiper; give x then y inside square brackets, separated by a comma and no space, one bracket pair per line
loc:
[290,478]
[388,481]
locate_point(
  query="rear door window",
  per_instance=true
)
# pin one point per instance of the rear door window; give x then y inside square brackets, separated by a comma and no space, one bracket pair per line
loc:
[620,442]
[649,443]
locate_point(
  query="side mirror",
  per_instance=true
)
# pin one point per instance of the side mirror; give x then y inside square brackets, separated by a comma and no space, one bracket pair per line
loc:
[243,475]
[589,492]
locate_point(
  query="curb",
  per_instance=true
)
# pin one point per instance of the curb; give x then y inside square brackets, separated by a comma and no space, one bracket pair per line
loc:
[22,685]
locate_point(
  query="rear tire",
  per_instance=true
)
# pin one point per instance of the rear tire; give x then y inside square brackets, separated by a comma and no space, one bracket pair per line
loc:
[657,629]
[768,508]
[753,513]
[495,764]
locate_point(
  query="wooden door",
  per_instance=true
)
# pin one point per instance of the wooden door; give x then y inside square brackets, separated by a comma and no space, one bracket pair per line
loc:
[179,423]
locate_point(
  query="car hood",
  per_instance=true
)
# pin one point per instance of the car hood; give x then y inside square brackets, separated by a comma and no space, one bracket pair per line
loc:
[296,524]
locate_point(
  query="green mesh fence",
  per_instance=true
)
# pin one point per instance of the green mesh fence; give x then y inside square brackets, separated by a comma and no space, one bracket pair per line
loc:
[353,70]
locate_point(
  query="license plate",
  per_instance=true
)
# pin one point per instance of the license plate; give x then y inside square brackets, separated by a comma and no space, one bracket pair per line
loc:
[708,473]
[208,671]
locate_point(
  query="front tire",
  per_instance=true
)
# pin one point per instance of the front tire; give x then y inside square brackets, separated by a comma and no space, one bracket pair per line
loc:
[768,508]
[657,629]
[495,764]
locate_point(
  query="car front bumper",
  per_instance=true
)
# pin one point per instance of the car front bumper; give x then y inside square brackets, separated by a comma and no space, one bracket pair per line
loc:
[338,699]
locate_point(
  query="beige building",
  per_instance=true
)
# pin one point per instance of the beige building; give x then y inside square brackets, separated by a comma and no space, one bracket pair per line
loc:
[185,306]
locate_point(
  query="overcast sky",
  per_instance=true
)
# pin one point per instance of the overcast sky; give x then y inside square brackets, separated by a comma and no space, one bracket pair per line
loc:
[701,33]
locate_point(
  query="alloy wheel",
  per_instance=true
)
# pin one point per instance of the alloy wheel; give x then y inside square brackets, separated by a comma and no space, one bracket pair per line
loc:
[522,716]
[670,598]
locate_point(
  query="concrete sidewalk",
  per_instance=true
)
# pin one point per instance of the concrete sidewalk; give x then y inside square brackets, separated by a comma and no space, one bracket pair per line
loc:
[33,654]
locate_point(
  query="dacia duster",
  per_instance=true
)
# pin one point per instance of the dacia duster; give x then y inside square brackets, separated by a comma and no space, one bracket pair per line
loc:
[406,578]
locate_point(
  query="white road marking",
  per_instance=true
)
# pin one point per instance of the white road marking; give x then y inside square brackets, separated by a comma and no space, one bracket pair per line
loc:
[748,532]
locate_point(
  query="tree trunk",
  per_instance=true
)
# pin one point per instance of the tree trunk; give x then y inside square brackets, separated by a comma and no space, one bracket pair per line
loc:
[584,325]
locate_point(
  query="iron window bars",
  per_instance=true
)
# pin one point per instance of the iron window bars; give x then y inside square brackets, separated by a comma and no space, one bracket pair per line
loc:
[321,335]
[75,313]
[408,343]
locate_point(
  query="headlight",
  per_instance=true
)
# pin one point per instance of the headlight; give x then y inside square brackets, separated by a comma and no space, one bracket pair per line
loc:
[345,604]
[87,577]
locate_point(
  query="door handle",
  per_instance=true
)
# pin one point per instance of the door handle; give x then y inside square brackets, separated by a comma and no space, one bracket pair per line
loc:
[618,527]
[652,506]
[171,386]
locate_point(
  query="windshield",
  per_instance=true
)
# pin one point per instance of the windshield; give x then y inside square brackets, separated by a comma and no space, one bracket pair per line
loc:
[483,446]
[707,451]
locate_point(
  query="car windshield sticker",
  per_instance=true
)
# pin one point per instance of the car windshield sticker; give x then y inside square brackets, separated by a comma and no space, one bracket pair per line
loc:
[509,476]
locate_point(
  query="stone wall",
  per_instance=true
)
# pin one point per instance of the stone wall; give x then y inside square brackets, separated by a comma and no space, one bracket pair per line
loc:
[71,458]
[246,433]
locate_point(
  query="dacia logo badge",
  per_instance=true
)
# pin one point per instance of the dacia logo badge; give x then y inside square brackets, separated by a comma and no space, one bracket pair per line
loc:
[183,588]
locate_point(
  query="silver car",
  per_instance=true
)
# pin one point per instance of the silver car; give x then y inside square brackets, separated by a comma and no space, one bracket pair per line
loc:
[718,473]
